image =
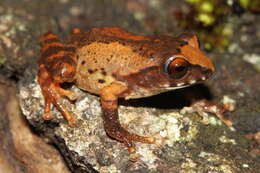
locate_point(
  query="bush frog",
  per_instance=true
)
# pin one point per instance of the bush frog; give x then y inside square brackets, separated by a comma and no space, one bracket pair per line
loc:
[114,63]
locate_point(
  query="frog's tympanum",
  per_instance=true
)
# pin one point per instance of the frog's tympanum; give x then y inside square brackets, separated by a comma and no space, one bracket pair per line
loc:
[113,63]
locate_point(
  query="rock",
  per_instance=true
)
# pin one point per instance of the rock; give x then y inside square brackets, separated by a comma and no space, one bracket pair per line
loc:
[21,149]
[188,144]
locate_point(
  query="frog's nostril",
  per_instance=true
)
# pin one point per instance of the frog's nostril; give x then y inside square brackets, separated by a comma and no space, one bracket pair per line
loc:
[205,71]
[207,74]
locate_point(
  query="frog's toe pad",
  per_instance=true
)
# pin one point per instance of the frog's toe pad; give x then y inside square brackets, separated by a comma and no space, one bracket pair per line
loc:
[47,116]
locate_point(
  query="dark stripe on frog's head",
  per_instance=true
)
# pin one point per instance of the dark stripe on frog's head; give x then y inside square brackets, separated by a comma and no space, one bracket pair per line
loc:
[188,39]
[148,69]
[183,43]
[146,78]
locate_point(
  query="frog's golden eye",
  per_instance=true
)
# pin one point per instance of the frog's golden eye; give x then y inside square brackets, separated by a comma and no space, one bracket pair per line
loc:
[177,67]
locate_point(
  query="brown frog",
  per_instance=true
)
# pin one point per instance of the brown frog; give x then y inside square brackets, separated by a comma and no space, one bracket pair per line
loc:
[113,63]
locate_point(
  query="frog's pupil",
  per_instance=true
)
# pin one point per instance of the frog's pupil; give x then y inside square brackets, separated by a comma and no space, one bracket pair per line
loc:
[179,68]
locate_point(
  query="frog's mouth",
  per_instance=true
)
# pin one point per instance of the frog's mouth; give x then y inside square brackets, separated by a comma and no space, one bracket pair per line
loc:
[176,87]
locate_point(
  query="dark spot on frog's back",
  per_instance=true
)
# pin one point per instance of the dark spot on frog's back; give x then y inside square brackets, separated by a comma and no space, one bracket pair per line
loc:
[103,71]
[90,71]
[83,62]
[101,81]
[123,43]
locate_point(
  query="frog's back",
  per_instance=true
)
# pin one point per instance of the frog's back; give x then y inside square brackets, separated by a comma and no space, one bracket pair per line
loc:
[104,53]
[105,35]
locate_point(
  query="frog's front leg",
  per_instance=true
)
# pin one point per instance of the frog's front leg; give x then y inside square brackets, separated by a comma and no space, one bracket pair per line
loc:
[205,106]
[211,107]
[109,103]
[56,66]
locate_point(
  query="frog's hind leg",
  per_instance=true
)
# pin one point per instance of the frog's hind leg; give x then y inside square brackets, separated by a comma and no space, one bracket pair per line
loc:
[109,96]
[56,66]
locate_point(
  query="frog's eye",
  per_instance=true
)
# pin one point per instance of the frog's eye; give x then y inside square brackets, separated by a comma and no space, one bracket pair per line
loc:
[176,67]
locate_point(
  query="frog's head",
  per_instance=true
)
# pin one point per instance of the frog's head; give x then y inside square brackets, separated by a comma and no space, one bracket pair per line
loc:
[180,63]
[187,66]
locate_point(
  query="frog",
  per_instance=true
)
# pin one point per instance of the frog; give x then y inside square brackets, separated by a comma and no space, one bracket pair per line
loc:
[113,63]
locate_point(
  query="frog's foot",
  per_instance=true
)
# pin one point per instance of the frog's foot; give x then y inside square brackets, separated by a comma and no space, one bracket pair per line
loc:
[52,94]
[204,106]
[53,97]
[115,131]
[126,137]
[119,133]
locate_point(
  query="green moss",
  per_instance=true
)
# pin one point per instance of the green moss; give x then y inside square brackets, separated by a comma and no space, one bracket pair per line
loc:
[193,1]
[250,5]
[2,60]
[244,3]
[208,46]
[206,7]
[206,19]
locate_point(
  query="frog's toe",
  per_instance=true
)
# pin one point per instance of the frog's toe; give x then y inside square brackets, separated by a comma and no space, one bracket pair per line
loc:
[134,157]
[159,141]
[73,122]
[47,116]
[71,95]
[131,149]
[149,140]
